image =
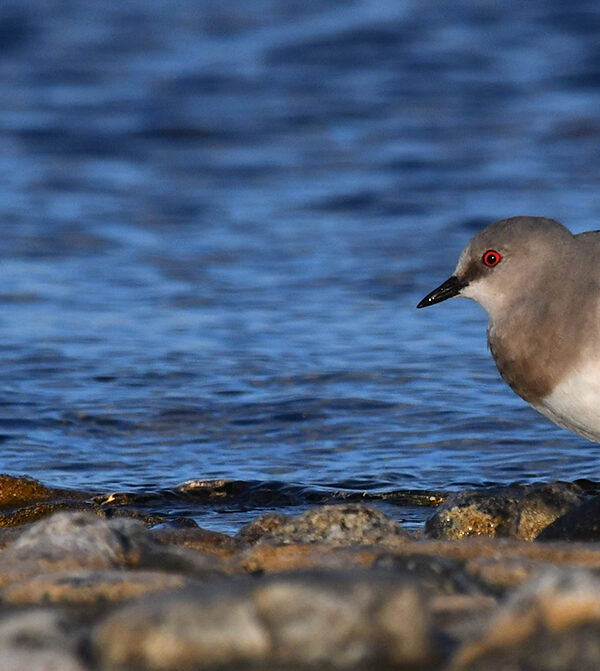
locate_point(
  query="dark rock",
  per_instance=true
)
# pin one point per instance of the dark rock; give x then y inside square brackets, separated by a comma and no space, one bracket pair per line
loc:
[37,511]
[517,511]
[197,538]
[339,524]
[316,619]
[550,624]
[580,524]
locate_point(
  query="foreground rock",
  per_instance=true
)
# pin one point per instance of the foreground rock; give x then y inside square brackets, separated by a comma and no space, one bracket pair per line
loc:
[340,619]
[550,624]
[517,511]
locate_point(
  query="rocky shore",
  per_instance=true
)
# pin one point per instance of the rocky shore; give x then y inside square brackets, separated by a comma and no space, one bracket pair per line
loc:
[497,580]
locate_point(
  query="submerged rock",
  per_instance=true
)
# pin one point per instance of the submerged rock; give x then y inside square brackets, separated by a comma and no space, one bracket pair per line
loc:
[338,524]
[517,511]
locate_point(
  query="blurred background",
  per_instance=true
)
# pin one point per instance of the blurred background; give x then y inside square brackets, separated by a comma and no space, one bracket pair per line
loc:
[217,217]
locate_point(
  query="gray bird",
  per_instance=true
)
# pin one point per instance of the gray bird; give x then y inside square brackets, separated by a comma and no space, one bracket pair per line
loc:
[540,287]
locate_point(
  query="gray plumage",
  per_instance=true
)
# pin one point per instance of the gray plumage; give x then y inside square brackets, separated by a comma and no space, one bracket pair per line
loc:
[540,287]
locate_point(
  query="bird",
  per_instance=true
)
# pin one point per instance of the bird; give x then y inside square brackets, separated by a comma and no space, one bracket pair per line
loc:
[540,287]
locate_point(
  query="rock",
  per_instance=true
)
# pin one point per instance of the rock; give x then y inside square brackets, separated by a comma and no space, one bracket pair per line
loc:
[197,538]
[504,571]
[252,532]
[551,623]
[83,541]
[517,511]
[339,524]
[88,587]
[579,524]
[190,629]
[37,511]
[434,575]
[282,558]
[344,619]
[80,539]
[39,640]
[21,491]
[338,619]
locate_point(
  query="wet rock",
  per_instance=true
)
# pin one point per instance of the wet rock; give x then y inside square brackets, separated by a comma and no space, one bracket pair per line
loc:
[37,511]
[40,639]
[338,619]
[580,524]
[22,491]
[197,538]
[550,624]
[518,511]
[340,524]
[88,587]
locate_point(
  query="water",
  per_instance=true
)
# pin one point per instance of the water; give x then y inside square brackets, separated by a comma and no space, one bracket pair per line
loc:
[218,217]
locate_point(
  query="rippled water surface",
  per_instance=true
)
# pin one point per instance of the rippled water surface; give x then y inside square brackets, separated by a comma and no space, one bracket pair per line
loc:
[217,218]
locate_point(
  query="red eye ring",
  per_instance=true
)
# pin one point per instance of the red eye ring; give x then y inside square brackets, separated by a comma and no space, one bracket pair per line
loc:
[491,258]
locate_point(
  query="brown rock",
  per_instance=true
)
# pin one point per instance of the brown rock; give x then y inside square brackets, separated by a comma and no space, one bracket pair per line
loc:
[19,491]
[518,511]
[281,558]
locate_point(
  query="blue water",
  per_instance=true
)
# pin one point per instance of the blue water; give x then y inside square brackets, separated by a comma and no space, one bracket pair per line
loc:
[217,219]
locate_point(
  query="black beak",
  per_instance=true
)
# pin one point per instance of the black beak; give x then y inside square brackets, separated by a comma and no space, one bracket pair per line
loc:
[451,287]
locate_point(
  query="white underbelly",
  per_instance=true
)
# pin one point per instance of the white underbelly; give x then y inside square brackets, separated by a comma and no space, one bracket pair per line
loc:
[575,402]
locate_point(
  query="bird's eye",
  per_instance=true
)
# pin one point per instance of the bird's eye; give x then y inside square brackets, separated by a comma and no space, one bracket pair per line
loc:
[491,258]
